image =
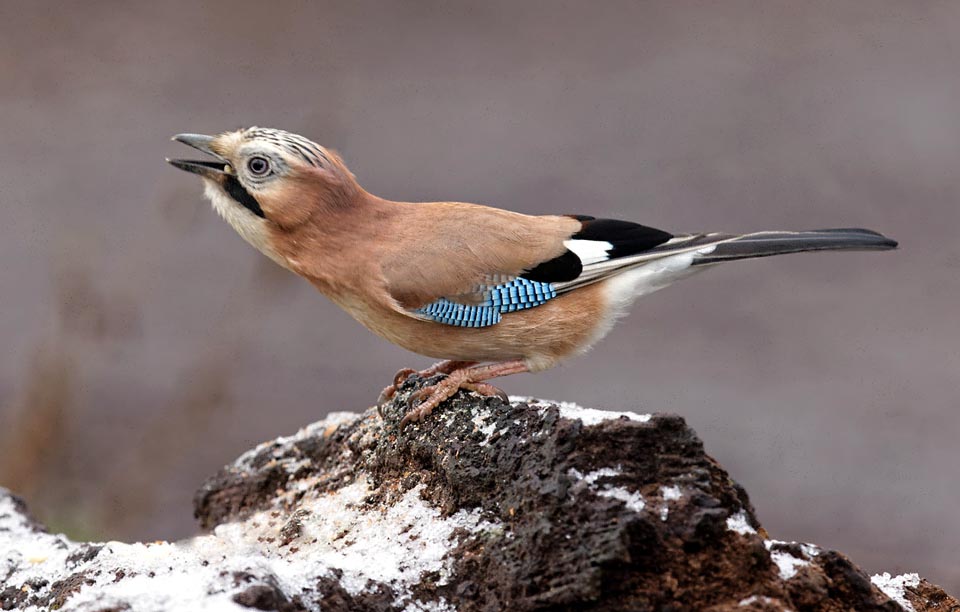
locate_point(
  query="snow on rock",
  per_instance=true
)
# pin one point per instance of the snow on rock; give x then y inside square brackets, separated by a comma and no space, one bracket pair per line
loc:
[787,564]
[483,506]
[277,445]
[589,416]
[740,524]
[338,533]
[671,493]
[483,420]
[40,562]
[895,587]
[789,557]
[668,494]
[631,499]
[398,543]
[762,599]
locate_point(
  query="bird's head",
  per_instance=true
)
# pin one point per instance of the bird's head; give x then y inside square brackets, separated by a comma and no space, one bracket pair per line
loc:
[265,177]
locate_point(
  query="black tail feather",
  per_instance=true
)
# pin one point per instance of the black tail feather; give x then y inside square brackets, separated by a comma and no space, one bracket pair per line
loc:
[765,244]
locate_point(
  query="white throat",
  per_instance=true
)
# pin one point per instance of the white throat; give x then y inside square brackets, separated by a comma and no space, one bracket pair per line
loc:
[251,228]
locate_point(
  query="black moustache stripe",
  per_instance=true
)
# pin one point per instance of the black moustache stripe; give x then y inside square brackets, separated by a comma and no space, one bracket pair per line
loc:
[233,187]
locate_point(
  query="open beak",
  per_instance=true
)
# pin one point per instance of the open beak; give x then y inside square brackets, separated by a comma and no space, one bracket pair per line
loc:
[209,169]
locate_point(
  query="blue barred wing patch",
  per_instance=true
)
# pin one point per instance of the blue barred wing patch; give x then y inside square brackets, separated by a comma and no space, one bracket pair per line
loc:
[518,294]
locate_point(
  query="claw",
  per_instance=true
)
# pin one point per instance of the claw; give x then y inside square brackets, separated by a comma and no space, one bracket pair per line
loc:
[389,391]
[487,390]
[401,376]
[411,416]
[385,396]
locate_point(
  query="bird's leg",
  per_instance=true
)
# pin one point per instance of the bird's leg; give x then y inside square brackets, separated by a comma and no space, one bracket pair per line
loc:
[469,378]
[442,367]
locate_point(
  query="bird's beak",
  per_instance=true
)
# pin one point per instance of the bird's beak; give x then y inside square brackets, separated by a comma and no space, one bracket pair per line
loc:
[208,169]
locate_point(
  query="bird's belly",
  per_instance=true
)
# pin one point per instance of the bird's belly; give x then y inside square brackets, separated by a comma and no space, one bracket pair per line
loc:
[541,336]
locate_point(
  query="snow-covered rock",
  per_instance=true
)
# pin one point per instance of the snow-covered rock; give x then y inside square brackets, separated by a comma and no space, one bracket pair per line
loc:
[484,506]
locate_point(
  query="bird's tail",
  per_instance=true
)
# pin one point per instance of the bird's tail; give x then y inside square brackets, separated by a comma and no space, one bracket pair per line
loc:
[765,244]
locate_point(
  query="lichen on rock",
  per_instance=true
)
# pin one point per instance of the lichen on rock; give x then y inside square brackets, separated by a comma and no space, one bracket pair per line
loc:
[486,505]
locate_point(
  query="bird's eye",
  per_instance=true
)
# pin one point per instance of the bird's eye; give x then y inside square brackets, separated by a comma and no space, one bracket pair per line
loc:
[258,166]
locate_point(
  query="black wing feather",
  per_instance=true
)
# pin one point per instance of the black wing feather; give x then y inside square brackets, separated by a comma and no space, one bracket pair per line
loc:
[567,267]
[627,239]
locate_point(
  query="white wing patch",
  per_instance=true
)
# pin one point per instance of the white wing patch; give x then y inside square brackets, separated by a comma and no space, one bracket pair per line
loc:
[589,251]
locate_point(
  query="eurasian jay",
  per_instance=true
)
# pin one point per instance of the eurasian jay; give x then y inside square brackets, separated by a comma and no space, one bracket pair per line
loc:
[489,291]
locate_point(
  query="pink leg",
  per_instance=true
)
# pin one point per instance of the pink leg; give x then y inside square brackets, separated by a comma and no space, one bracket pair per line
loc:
[470,378]
[442,367]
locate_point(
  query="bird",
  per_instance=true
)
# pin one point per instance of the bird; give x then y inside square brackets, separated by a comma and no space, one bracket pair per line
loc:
[489,292]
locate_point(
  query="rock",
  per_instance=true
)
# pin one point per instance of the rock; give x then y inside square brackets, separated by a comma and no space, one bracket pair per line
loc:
[485,506]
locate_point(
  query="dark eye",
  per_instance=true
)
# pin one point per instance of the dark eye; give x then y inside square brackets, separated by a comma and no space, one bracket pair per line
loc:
[258,166]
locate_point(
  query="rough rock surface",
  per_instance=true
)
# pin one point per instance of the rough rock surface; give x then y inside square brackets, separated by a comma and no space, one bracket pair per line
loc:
[485,506]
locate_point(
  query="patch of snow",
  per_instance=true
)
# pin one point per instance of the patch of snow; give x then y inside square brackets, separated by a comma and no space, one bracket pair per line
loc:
[894,587]
[395,545]
[31,555]
[317,429]
[738,522]
[671,493]
[479,420]
[787,563]
[596,475]
[589,416]
[430,606]
[760,599]
[811,550]
[631,499]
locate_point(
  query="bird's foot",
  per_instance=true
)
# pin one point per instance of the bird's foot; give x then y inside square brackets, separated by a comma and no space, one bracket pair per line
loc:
[469,379]
[428,398]
[443,367]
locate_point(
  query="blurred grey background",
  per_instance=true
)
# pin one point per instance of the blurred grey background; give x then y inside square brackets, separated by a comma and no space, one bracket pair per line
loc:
[145,345]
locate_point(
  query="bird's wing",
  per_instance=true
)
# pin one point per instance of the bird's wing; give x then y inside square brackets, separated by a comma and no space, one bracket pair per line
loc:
[475,273]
